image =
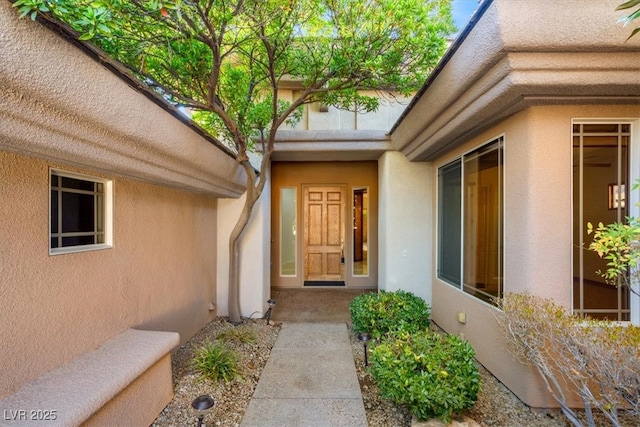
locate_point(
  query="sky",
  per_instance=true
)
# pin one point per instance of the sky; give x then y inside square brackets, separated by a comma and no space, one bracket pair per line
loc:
[462,11]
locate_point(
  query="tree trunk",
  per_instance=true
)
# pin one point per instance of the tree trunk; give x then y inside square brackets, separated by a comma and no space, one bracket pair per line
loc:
[234,246]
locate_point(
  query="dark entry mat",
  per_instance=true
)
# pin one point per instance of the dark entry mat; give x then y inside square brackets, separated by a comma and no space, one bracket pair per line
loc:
[324,283]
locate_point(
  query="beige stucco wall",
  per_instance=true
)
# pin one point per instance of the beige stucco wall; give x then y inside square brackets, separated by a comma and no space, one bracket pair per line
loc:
[390,107]
[59,104]
[557,52]
[160,273]
[405,217]
[538,232]
[254,255]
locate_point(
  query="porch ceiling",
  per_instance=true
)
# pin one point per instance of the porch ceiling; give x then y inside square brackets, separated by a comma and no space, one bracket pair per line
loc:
[511,60]
[330,145]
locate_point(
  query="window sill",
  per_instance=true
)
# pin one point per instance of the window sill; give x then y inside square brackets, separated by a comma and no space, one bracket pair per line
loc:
[76,249]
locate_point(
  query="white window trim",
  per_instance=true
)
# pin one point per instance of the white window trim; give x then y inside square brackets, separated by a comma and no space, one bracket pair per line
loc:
[634,197]
[108,213]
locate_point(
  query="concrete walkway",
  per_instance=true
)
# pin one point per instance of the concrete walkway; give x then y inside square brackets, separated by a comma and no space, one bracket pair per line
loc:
[309,381]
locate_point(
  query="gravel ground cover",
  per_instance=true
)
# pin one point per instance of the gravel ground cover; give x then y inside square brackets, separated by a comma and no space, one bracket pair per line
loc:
[232,398]
[496,405]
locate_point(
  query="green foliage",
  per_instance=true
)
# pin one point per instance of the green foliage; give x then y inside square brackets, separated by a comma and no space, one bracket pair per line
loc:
[633,15]
[230,58]
[619,244]
[229,61]
[216,362]
[239,334]
[383,312]
[433,375]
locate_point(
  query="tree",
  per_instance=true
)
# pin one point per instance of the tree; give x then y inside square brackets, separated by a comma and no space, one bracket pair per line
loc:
[225,61]
[633,15]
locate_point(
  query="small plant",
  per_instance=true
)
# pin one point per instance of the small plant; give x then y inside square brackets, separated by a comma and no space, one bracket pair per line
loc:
[239,334]
[384,312]
[619,244]
[216,362]
[432,375]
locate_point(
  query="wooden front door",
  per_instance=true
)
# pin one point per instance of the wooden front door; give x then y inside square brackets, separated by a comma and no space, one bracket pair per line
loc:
[324,233]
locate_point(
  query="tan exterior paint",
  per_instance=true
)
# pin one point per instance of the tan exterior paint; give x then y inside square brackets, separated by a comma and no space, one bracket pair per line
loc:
[58,104]
[538,232]
[523,76]
[405,225]
[350,174]
[570,52]
[138,403]
[159,275]
[59,108]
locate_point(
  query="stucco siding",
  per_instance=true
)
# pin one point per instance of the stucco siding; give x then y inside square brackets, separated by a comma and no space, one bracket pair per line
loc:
[59,104]
[405,236]
[160,273]
[254,255]
[537,232]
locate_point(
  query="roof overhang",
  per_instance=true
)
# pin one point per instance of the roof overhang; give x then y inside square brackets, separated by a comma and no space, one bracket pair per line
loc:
[59,104]
[509,60]
[330,145]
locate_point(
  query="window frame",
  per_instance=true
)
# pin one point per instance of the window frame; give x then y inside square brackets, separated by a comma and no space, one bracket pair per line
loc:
[500,140]
[633,196]
[294,231]
[367,259]
[107,212]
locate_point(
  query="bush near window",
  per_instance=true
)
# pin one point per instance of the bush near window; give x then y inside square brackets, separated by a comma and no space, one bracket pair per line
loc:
[216,362]
[598,359]
[383,312]
[431,374]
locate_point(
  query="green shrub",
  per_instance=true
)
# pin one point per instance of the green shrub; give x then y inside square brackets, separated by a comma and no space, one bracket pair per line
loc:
[432,375]
[383,312]
[239,334]
[216,362]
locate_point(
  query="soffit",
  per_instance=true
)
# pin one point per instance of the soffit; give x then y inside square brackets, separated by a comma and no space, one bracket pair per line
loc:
[330,145]
[511,60]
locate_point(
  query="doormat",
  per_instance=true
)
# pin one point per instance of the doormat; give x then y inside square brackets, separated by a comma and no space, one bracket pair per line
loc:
[324,283]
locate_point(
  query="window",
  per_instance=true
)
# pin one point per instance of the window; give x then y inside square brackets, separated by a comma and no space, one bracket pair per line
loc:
[360,231]
[80,213]
[470,222]
[601,177]
[288,247]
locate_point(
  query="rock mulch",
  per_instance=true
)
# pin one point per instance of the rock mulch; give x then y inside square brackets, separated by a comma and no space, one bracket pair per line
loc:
[232,398]
[496,405]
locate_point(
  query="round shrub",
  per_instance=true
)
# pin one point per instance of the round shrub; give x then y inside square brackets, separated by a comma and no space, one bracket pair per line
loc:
[383,312]
[432,375]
